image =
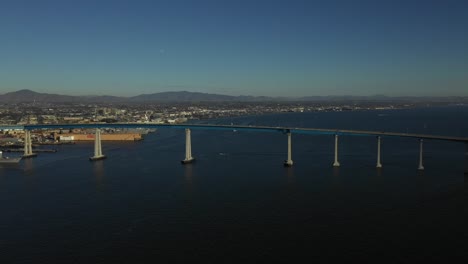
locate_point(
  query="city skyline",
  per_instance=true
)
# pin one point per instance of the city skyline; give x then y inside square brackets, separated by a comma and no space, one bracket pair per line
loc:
[260,48]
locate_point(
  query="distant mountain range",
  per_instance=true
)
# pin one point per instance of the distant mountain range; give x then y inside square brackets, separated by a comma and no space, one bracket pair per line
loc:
[184,96]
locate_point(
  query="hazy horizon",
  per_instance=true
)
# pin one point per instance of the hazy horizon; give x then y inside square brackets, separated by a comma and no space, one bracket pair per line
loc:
[239,95]
[271,48]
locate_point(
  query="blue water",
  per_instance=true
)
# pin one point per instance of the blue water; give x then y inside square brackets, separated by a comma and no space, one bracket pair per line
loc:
[237,202]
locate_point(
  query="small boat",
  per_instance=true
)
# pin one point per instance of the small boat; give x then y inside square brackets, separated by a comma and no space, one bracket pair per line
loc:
[7,160]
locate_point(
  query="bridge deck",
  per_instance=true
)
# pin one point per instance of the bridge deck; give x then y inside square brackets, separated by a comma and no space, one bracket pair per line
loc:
[298,130]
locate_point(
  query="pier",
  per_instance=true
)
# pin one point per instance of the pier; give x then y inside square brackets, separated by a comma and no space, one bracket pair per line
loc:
[188,148]
[97,147]
[379,163]
[28,153]
[35,151]
[336,163]
[288,162]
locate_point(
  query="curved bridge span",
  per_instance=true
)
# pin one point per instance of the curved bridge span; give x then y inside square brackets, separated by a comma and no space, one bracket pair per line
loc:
[285,130]
[298,130]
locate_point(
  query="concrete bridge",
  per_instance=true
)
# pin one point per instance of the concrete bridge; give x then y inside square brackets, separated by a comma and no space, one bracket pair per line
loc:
[285,130]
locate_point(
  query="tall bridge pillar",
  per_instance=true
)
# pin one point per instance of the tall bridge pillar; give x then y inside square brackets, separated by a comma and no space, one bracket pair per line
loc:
[420,167]
[466,159]
[379,164]
[289,162]
[188,148]
[97,147]
[336,163]
[28,145]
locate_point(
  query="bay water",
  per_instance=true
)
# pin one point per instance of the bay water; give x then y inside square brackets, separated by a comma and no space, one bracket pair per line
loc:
[237,203]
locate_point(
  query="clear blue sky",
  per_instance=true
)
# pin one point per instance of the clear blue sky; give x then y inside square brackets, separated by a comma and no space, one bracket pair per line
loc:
[273,48]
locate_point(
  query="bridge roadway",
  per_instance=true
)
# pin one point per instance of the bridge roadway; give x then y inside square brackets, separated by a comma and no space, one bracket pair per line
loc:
[294,130]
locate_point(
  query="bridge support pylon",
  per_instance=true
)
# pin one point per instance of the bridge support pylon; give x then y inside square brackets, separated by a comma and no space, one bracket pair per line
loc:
[28,145]
[379,164]
[97,147]
[188,148]
[421,167]
[336,163]
[289,162]
[466,159]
